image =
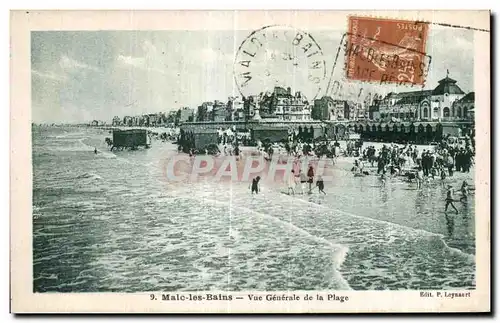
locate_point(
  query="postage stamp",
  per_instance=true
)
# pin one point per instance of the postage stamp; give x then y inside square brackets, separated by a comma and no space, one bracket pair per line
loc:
[250,162]
[341,86]
[386,50]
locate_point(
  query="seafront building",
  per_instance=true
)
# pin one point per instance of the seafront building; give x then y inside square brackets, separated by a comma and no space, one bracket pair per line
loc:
[327,108]
[446,102]
[411,116]
[186,114]
[283,105]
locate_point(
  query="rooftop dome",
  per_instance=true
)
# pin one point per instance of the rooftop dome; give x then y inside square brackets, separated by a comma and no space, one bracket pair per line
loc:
[447,85]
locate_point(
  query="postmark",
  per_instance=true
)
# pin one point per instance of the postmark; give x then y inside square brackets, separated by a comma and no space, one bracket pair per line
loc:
[386,50]
[279,56]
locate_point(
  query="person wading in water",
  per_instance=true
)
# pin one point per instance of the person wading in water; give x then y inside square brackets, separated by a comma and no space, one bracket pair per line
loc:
[449,199]
[310,174]
[255,185]
[443,176]
[465,191]
[321,185]
[303,181]
[419,178]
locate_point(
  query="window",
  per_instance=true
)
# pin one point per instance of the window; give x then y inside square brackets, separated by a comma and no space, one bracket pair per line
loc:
[452,111]
[459,112]
[446,112]
[426,113]
[435,111]
[465,112]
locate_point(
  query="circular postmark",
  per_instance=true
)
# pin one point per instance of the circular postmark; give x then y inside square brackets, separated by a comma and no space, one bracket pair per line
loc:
[279,56]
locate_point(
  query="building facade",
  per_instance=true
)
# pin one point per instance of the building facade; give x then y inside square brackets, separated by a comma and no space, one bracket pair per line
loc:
[463,108]
[338,110]
[237,109]
[283,105]
[186,114]
[446,102]
[117,121]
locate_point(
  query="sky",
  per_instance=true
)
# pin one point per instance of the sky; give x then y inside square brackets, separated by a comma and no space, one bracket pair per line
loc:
[87,75]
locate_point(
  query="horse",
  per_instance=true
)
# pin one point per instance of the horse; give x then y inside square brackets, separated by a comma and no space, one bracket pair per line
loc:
[108,141]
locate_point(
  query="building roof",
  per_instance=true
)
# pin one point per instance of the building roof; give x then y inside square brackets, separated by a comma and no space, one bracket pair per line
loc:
[467,98]
[281,92]
[413,97]
[447,85]
[411,94]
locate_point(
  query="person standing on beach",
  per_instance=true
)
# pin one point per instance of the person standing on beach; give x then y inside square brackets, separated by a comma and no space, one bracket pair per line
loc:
[310,174]
[450,162]
[95,150]
[321,185]
[255,185]
[465,191]
[419,178]
[443,175]
[449,199]
[303,181]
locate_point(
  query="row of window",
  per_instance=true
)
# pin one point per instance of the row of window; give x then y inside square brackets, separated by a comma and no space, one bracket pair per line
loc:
[447,112]
[288,109]
[299,117]
[459,112]
[288,101]
[410,115]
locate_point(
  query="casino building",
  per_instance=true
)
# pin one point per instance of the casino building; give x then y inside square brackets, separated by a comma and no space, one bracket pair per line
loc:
[446,102]
[420,116]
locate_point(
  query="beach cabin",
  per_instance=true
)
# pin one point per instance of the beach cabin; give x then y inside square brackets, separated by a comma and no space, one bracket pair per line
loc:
[205,137]
[130,138]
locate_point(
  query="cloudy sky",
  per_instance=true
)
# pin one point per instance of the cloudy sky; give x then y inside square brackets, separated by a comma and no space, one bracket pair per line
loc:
[81,76]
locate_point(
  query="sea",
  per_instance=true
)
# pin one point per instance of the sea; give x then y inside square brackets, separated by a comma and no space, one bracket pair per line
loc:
[111,222]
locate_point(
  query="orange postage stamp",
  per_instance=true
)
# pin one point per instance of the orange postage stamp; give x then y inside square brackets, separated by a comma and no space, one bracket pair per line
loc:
[386,50]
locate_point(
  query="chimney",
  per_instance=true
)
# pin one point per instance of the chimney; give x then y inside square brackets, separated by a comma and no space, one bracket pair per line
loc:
[288,91]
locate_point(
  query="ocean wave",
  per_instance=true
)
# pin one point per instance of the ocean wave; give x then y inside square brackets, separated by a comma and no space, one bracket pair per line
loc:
[67,135]
[438,236]
[103,154]
[73,145]
[89,176]
[68,149]
[45,276]
[340,251]
[378,247]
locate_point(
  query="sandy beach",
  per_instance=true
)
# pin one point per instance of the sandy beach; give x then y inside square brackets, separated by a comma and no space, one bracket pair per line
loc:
[112,222]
